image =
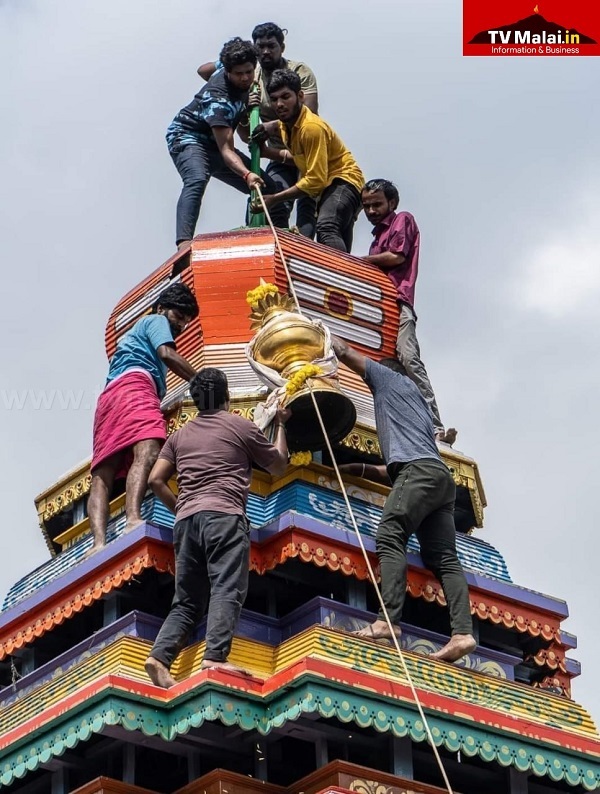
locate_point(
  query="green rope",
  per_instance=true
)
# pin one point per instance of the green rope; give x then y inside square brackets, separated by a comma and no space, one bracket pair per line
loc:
[255,218]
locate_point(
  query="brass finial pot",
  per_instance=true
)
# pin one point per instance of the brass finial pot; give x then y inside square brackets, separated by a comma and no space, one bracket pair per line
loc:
[287,342]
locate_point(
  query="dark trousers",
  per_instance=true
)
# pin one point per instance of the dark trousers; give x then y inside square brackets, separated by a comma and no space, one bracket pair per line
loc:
[197,163]
[337,212]
[422,501]
[286,176]
[212,553]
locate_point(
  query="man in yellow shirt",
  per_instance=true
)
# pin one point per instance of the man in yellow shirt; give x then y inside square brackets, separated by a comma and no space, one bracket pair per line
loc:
[328,171]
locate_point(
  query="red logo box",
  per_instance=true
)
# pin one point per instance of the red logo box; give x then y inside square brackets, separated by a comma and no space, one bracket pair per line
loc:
[531,27]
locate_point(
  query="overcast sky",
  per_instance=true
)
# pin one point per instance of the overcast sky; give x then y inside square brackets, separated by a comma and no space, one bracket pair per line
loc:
[498,159]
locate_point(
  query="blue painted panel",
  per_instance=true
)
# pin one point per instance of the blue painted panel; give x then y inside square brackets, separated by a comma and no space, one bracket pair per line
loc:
[327,507]
[65,561]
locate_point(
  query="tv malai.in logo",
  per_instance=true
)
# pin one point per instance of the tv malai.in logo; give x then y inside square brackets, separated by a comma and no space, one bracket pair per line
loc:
[534,34]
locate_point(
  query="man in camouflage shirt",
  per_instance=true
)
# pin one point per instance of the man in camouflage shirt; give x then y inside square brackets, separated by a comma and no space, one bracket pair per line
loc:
[269,40]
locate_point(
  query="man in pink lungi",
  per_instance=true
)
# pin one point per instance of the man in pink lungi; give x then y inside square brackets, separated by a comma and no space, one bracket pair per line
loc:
[129,427]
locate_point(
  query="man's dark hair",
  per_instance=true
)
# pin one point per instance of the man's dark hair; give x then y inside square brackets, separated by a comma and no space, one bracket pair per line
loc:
[284,78]
[268,30]
[389,189]
[237,52]
[393,364]
[209,388]
[179,297]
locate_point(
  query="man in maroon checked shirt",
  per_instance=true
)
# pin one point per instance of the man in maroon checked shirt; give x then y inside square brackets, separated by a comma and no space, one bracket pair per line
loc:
[395,250]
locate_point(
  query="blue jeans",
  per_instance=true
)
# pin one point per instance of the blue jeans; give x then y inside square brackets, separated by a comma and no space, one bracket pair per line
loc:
[337,212]
[286,176]
[197,163]
[212,561]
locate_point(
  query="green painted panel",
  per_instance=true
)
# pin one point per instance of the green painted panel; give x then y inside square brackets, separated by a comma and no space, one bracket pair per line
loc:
[215,703]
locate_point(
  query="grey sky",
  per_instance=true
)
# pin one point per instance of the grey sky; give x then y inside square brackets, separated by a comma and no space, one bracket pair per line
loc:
[497,158]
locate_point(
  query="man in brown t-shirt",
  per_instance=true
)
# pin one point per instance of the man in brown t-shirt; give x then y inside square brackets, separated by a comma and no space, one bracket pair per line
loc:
[212,457]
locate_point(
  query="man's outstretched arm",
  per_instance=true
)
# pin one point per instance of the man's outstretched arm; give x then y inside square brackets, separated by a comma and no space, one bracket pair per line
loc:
[370,471]
[161,473]
[176,363]
[280,443]
[224,138]
[349,356]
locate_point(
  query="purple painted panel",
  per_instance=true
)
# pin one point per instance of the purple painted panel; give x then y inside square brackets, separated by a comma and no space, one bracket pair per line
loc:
[83,570]
[332,614]
[134,624]
[573,667]
[520,595]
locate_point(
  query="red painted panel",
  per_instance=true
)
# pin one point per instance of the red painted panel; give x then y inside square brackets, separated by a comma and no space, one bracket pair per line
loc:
[221,268]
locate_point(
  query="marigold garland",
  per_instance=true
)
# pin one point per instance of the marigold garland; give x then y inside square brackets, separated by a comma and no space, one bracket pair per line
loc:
[253,296]
[300,458]
[298,379]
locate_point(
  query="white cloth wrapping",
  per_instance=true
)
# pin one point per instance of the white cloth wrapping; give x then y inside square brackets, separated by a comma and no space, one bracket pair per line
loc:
[264,413]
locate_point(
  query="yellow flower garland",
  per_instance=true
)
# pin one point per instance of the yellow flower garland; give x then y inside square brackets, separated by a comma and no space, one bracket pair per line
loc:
[300,458]
[298,379]
[253,296]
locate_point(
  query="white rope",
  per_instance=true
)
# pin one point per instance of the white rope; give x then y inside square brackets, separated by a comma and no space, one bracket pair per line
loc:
[394,637]
[280,250]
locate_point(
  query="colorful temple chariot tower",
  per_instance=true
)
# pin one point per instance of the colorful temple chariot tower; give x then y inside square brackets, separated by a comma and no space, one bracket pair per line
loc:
[323,711]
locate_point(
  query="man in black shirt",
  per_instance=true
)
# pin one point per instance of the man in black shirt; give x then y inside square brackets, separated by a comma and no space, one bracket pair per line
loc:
[269,40]
[200,137]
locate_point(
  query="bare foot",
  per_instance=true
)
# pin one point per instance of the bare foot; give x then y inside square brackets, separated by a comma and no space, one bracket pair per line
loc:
[460,645]
[159,673]
[133,524]
[379,630]
[211,664]
[93,549]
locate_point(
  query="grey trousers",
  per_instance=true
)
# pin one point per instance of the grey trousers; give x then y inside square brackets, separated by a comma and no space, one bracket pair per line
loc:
[422,501]
[409,354]
[212,554]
